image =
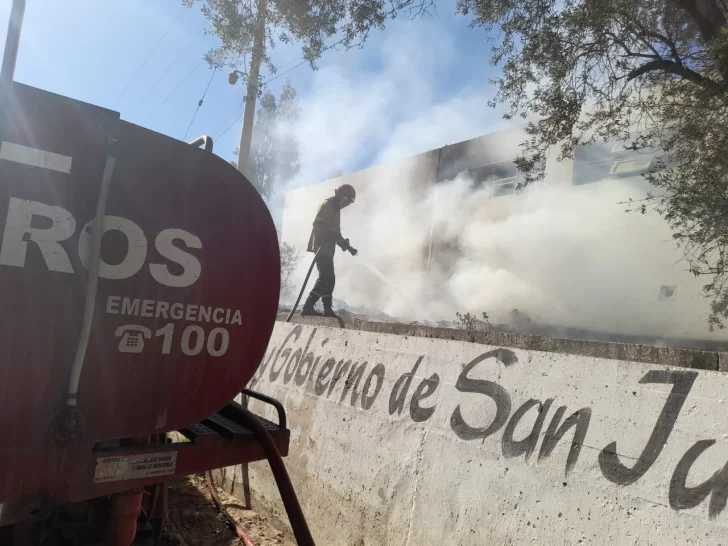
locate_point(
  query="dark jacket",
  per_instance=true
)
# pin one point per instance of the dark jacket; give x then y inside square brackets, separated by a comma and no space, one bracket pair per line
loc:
[326,232]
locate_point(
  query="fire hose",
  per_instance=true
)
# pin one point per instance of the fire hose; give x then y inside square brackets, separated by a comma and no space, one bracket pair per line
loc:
[239,529]
[305,282]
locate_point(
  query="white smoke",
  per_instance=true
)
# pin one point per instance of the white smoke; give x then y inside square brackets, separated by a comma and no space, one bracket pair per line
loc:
[563,254]
[352,117]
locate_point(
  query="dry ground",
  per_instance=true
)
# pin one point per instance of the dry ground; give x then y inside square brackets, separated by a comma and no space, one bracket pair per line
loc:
[195,521]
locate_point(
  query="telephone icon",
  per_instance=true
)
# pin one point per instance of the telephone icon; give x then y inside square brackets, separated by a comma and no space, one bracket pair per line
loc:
[132,338]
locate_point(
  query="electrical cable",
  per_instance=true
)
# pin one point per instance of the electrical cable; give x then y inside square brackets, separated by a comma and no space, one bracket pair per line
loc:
[284,73]
[149,56]
[199,104]
[229,126]
[273,79]
[300,64]
[223,126]
[165,73]
[177,87]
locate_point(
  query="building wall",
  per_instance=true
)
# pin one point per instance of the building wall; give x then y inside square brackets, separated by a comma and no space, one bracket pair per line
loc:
[630,256]
[401,435]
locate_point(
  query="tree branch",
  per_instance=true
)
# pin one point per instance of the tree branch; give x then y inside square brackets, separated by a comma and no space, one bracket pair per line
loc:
[707,16]
[672,67]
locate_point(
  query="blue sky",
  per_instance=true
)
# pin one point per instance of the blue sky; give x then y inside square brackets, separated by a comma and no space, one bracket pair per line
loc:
[415,86]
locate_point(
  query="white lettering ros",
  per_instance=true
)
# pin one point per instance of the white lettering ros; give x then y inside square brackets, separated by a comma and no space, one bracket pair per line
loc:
[62,225]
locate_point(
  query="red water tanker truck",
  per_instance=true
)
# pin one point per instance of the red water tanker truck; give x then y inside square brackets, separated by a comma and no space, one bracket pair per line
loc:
[139,281]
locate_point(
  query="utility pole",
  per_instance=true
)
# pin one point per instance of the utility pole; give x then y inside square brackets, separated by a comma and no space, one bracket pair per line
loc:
[251,93]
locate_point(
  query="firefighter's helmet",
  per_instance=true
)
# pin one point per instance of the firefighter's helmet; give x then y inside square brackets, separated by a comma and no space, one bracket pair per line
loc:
[346,193]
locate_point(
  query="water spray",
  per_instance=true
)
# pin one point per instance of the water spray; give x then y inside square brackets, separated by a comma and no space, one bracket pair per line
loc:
[372,268]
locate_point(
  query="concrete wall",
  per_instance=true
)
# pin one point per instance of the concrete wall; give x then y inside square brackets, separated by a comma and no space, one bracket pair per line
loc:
[410,437]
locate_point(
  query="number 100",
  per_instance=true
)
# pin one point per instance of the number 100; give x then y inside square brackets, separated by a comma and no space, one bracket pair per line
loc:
[193,340]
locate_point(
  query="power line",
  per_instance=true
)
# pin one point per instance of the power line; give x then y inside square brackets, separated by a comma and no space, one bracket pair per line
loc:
[187,77]
[264,83]
[289,61]
[176,88]
[284,73]
[149,56]
[221,127]
[218,137]
[199,104]
[300,64]
[165,72]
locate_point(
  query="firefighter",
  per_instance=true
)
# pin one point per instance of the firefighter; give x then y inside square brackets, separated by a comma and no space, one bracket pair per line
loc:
[325,235]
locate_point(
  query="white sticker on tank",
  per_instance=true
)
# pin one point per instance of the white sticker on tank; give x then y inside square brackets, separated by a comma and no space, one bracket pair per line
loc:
[132,467]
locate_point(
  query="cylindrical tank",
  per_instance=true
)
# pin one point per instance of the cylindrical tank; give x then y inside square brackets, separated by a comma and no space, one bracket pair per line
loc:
[188,282]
